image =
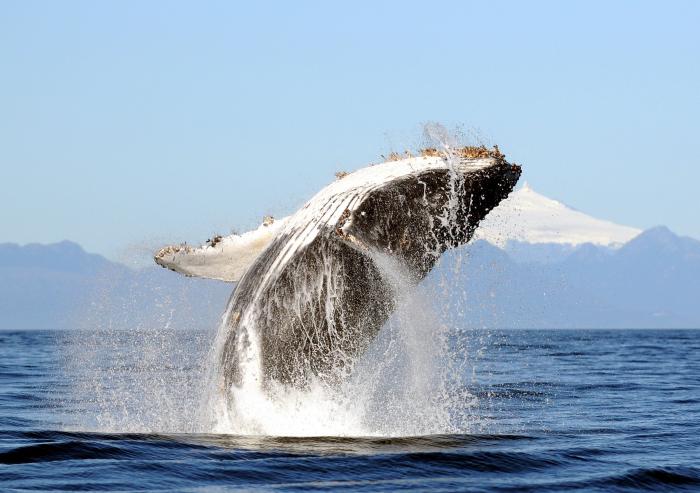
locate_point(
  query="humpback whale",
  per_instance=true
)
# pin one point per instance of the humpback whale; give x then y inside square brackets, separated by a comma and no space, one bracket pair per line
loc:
[310,295]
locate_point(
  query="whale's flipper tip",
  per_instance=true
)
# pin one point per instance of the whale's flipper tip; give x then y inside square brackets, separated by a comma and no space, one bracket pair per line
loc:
[223,258]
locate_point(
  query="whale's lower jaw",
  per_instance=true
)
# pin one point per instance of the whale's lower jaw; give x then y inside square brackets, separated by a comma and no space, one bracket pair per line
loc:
[313,306]
[322,311]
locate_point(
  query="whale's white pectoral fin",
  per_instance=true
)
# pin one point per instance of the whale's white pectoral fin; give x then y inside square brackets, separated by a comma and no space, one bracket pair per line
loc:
[224,259]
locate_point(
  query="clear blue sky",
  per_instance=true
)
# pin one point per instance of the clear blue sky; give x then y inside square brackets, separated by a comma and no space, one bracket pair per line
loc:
[124,122]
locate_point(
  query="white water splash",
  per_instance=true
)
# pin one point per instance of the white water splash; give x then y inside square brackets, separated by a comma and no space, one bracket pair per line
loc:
[404,385]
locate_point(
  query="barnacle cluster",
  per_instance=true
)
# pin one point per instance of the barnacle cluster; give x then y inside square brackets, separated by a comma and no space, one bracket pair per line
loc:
[466,152]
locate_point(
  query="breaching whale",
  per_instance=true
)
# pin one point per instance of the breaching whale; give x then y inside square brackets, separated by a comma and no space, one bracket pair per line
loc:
[310,296]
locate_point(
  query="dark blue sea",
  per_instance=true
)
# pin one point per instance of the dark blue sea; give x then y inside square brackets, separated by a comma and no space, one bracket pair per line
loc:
[557,410]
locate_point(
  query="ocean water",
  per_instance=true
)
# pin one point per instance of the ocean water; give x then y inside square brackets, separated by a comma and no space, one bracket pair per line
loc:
[543,410]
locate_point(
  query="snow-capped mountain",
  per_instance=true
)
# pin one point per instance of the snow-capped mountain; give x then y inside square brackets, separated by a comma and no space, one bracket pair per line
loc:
[529,217]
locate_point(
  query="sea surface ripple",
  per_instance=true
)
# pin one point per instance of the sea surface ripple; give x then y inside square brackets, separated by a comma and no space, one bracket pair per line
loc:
[587,410]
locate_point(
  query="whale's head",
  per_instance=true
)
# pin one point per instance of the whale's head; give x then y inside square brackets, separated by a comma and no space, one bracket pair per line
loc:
[428,204]
[413,208]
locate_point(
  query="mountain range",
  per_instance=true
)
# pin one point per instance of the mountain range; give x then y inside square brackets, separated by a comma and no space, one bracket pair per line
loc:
[534,263]
[60,286]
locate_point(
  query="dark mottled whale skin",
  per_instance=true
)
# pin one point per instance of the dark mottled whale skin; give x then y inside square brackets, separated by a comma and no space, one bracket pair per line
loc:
[315,297]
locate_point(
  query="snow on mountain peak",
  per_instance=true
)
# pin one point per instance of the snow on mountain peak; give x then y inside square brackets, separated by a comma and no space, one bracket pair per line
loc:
[530,217]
